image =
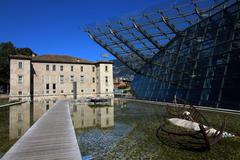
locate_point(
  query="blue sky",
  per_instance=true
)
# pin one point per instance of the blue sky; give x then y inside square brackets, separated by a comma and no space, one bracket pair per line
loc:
[56,26]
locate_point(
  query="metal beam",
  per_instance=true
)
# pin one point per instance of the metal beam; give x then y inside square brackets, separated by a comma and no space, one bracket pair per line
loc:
[147,36]
[112,52]
[131,67]
[183,15]
[153,23]
[126,43]
[197,10]
[170,26]
[139,63]
[139,40]
[198,13]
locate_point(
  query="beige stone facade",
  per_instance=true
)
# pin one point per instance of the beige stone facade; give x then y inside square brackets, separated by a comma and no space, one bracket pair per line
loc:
[83,116]
[20,78]
[22,117]
[59,77]
[19,120]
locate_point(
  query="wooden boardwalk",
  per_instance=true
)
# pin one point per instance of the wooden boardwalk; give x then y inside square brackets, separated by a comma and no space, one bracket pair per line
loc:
[51,137]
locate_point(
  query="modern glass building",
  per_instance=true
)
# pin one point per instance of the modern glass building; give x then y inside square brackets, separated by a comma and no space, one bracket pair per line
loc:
[191,50]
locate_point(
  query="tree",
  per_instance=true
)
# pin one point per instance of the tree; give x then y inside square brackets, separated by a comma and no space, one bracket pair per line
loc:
[7,49]
[24,51]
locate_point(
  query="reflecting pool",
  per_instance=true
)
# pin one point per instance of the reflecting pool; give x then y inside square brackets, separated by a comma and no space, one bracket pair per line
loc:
[127,130]
[16,120]
[100,128]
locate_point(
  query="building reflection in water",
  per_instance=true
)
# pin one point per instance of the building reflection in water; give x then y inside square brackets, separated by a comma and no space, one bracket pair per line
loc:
[19,120]
[22,117]
[16,120]
[40,108]
[84,116]
[122,103]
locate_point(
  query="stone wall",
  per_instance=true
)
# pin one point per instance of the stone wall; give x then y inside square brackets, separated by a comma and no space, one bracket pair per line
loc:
[105,88]
[19,89]
[47,83]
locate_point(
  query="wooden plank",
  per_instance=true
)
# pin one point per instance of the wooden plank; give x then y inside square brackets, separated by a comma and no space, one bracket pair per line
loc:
[51,137]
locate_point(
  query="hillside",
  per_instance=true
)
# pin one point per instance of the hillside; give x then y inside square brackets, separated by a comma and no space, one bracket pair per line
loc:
[120,70]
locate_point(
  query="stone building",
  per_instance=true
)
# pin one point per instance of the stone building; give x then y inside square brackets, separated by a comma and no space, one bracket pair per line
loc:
[59,77]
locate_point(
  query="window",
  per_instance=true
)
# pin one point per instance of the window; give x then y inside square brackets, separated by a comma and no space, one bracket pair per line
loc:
[19,132]
[106,79]
[82,90]
[61,68]
[20,65]
[81,68]
[106,90]
[20,79]
[47,107]
[93,90]
[54,88]
[106,68]
[75,108]
[93,69]
[94,121]
[71,68]
[61,79]
[107,121]
[47,88]
[93,79]
[19,93]
[47,67]
[107,111]
[20,117]
[54,67]
[72,78]
[82,123]
[62,91]
[81,79]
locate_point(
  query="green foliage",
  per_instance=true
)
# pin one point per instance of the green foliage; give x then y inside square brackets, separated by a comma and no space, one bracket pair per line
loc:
[7,49]
[24,51]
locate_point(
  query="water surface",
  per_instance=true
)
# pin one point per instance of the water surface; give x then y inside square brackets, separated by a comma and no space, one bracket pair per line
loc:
[16,120]
[100,128]
[131,133]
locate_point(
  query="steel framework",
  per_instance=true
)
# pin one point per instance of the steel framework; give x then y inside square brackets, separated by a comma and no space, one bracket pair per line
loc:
[190,50]
[135,40]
